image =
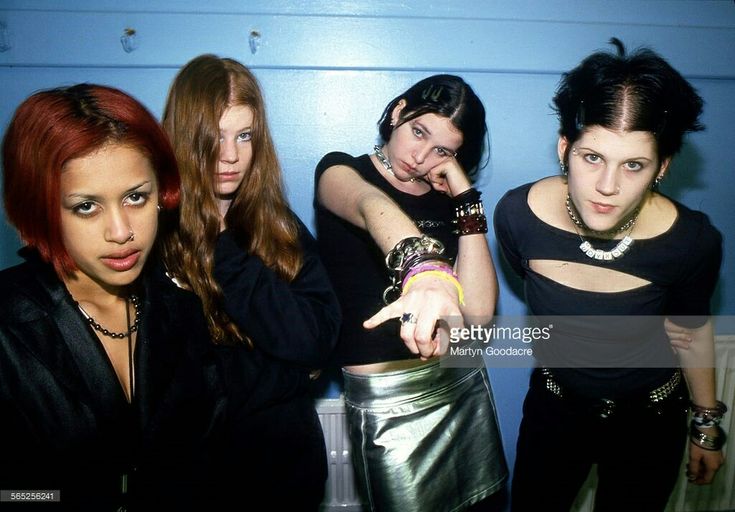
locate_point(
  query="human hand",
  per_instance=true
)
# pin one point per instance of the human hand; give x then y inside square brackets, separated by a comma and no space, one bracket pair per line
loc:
[427,311]
[679,337]
[448,177]
[703,464]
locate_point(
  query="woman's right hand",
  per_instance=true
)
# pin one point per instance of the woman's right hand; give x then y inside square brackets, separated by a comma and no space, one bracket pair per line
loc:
[679,337]
[427,312]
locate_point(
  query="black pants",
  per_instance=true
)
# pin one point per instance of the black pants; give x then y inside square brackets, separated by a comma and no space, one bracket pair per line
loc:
[638,452]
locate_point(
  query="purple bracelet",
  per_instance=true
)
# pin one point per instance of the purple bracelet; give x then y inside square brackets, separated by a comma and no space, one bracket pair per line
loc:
[425,267]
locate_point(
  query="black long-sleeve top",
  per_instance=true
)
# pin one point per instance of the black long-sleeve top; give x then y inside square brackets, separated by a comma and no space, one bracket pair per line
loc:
[296,322]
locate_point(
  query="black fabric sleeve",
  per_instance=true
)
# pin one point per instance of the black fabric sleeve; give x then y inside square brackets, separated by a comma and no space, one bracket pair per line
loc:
[332,159]
[327,161]
[688,303]
[297,322]
[503,221]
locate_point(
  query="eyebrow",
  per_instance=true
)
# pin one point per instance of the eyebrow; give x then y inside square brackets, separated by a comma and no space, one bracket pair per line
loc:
[246,128]
[93,197]
[585,148]
[424,128]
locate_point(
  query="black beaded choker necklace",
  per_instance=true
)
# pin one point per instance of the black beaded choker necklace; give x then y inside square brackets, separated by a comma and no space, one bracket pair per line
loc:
[116,335]
[120,335]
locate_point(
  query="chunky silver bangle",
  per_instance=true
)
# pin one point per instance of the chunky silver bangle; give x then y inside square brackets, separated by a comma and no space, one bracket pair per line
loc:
[706,441]
[406,254]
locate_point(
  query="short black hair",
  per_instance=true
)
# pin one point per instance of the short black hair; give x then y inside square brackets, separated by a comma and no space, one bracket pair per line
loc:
[448,96]
[630,92]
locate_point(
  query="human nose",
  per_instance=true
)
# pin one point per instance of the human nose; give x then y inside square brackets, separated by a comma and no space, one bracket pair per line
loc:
[228,151]
[607,182]
[118,227]
[422,153]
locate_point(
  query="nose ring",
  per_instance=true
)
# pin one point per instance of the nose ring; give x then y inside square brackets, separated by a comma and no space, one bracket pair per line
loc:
[131,237]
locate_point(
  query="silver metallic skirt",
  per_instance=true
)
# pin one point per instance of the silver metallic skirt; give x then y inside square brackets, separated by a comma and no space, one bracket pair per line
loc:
[424,439]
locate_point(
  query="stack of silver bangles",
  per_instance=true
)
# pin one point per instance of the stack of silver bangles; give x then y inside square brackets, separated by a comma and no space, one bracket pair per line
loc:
[705,422]
[408,253]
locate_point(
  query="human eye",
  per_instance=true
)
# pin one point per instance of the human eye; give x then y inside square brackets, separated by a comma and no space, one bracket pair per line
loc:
[137,199]
[85,209]
[633,166]
[592,158]
[244,136]
[442,152]
[418,132]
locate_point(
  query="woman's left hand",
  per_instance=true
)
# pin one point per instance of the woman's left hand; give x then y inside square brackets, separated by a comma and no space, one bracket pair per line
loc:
[448,177]
[703,464]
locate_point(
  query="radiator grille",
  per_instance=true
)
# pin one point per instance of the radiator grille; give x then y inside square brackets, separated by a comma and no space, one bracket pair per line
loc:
[341,492]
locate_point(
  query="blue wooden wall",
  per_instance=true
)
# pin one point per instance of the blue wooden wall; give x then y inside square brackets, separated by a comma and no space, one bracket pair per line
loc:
[329,67]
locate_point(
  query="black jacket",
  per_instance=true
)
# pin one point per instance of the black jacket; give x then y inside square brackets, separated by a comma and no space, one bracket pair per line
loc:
[64,421]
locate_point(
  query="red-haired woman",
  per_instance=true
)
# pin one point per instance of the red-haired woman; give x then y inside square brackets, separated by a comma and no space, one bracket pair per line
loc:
[107,390]
[255,267]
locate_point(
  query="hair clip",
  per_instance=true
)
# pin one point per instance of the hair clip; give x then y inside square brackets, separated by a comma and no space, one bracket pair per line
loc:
[433,93]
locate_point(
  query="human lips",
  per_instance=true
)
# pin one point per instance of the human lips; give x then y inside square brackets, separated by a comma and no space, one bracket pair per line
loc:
[228,176]
[409,169]
[122,261]
[602,207]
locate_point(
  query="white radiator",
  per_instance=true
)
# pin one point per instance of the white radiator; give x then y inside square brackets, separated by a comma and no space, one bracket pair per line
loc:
[340,493]
[720,495]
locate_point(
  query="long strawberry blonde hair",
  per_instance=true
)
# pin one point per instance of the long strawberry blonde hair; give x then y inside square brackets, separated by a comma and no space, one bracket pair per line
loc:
[259,216]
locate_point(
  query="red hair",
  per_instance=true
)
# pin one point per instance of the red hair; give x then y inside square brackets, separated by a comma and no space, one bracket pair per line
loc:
[52,127]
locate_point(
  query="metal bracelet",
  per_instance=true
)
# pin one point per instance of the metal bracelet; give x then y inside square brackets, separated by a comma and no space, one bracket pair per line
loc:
[407,253]
[706,441]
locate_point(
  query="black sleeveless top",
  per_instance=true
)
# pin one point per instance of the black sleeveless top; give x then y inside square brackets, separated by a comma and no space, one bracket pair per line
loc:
[681,265]
[356,265]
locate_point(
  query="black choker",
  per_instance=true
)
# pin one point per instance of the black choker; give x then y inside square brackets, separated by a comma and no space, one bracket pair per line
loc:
[116,335]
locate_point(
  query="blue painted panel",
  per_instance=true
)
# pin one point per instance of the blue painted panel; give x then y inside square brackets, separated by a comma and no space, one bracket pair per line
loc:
[707,13]
[328,68]
[65,39]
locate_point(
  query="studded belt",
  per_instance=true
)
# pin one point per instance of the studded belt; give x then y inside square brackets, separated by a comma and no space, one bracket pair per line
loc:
[605,407]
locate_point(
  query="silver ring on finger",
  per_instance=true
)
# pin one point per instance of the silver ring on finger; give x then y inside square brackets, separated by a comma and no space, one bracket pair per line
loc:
[408,318]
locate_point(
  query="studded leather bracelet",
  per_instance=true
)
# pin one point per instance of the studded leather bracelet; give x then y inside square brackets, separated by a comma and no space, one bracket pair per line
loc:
[470,213]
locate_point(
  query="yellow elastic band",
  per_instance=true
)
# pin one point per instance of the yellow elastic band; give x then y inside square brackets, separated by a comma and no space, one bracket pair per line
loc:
[441,275]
